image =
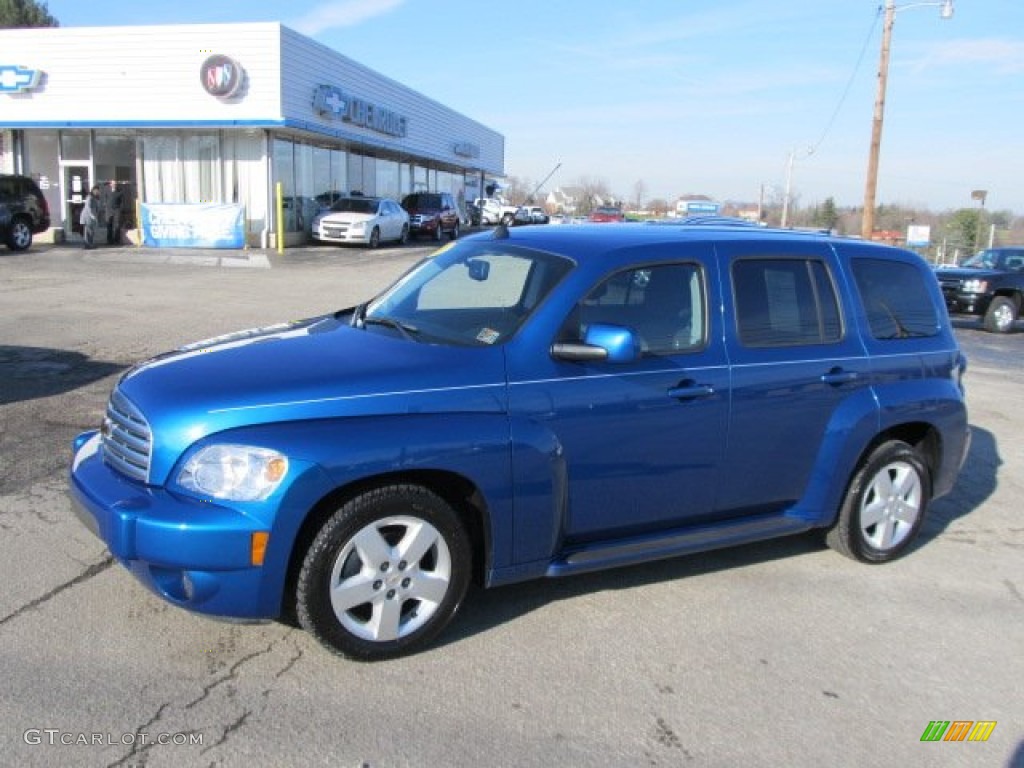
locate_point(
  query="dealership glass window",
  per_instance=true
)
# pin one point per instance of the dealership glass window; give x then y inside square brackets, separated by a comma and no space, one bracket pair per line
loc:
[75,145]
[201,168]
[339,170]
[362,174]
[161,168]
[284,174]
[404,180]
[420,182]
[322,172]
[42,165]
[245,176]
[388,182]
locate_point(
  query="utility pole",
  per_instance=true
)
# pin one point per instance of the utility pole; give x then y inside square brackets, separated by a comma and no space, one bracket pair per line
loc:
[871,187]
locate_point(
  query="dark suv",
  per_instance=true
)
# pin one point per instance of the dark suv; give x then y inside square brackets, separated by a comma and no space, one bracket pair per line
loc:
[23,211]
[432,214]
[990,284]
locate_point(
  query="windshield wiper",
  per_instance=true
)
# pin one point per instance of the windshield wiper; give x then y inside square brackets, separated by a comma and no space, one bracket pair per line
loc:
[358,312]
[405,329]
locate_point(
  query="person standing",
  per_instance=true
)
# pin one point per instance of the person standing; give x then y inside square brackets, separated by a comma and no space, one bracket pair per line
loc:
[90,217]
[113,204]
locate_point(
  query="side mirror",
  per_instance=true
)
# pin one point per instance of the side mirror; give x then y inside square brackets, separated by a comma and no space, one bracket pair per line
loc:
[609,343]
[479,269]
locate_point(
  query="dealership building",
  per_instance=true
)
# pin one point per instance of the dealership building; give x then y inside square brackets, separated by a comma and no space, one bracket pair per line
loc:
[223,114]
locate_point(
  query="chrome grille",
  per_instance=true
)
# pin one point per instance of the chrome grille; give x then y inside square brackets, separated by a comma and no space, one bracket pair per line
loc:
[127,440]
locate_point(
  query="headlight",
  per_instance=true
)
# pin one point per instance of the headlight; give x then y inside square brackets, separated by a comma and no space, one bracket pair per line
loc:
[359,226]
[234,472]
[975,286]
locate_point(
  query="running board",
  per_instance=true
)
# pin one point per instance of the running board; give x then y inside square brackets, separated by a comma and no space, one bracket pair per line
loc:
[603,555]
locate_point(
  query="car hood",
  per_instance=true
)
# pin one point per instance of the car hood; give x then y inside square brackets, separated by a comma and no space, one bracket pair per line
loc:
[321,368]
[344,217]
[966,273]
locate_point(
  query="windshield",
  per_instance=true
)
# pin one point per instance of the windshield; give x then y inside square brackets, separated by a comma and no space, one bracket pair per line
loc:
[354,205]
[472,293]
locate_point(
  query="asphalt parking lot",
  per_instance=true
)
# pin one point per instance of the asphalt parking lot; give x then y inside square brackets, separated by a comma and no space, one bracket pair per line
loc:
[781,653]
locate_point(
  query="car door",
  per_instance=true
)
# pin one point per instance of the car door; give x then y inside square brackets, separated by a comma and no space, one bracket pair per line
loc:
[794,366]
[639,442]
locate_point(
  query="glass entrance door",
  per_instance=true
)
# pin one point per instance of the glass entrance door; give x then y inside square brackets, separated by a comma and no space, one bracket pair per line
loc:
[76,189]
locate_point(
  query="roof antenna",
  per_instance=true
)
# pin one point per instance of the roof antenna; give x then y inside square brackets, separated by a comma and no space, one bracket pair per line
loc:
[500,231]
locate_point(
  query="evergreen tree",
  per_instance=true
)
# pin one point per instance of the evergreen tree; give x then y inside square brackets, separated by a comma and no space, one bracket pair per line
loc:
[25,13]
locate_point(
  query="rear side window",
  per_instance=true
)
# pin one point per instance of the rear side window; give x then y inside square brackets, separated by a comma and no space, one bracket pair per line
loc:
[896,299]
[785,302]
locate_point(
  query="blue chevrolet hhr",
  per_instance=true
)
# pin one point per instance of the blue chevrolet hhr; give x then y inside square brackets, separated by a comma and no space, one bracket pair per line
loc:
[533,402]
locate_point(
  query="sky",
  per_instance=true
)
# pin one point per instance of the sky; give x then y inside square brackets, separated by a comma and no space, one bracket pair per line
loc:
[668,98]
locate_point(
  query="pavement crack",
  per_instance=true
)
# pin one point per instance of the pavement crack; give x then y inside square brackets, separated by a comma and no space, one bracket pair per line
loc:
[228,730]
[232,674]
[93,570]
[1013,589]
[138,748]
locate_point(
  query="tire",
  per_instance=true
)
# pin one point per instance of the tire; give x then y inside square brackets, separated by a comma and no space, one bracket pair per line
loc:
[359,597]
[1001,315]
[20,236]
[455,231]
[404,237]
[884,507]
[507,219]
[375,238]
[438,233]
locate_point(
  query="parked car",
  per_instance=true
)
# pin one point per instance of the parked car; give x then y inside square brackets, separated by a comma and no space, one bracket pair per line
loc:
[989,285]
[432,214]
[606,214]
[24,211]
[496,210]
[363,220]
[533,402]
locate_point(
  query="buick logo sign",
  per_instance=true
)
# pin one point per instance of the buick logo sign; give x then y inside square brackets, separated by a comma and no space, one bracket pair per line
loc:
[221,76]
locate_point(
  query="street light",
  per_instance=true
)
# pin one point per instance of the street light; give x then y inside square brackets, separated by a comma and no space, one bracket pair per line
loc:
[871,188]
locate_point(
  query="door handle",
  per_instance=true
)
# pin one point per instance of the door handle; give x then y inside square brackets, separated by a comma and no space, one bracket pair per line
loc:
[690,390]
[838,376]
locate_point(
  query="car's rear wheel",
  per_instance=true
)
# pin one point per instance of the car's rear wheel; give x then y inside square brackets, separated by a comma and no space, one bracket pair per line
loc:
[20,236]
[885,505]
[385,574]
[1001,314]
[375,237]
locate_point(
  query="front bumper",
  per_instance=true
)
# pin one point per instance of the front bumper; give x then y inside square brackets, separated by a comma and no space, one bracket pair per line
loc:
[195,554]
[959,303]
[360,237]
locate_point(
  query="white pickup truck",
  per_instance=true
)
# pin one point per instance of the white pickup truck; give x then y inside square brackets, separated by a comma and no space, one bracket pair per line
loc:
[495,210]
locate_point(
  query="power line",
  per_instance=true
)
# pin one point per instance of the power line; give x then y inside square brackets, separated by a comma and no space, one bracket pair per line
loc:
[849,84]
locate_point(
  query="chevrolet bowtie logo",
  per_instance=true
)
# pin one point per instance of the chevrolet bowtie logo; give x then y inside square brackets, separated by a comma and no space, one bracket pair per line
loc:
[14,78]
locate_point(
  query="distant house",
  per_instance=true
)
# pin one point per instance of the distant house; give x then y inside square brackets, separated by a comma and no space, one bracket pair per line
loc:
[564,199]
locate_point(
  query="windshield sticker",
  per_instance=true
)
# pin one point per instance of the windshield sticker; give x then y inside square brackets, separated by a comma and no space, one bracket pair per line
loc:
[488,336]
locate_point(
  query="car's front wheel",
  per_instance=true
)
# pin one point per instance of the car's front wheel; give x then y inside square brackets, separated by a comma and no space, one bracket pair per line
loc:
[375,238]
[455,231]
[404,237]
[385,574]
[885,505]
[20,236]
[1001,314]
